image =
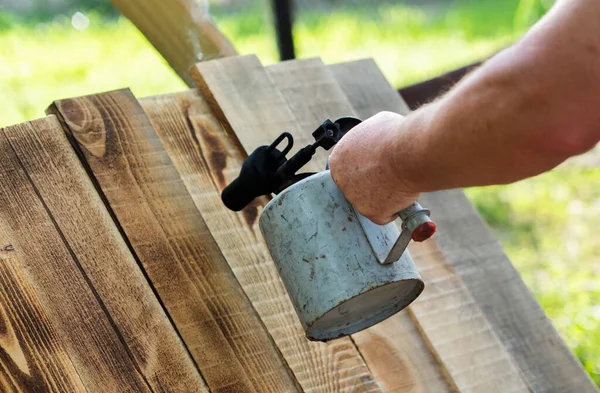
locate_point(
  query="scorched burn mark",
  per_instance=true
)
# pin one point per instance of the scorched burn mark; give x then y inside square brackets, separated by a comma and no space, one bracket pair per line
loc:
[250,213]
[217,158]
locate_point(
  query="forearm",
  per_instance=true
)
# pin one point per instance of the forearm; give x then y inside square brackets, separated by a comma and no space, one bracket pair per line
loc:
[490,130]
[504,122]
[522,113]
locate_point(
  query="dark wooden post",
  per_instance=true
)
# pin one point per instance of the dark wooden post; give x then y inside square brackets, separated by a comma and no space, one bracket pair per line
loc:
[284,19]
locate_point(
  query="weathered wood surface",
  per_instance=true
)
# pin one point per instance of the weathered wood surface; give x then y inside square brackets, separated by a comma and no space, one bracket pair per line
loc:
[244,98]
[208,160]
[168,235]
[367,89]
[32,356]
[542,356]
[182,31]
[399,357]
[470,355]
[92,311]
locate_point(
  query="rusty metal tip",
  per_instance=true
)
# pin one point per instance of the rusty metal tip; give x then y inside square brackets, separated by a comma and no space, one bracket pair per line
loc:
[424,231]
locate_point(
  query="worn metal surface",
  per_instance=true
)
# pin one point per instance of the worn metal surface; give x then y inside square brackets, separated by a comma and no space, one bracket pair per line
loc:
[412,217]
[330,270]
[384,240]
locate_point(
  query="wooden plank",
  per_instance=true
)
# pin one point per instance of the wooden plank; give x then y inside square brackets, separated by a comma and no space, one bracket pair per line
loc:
[399,358]
[207,161]
[114,330]
[32,356]
[457,329]
[543,357]
[182,31]
[467,244]
[243,97]
[314,95]
[310,88]
[367,98]
[170,238]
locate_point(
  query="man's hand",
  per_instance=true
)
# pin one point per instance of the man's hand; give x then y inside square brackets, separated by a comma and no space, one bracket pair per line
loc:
[363,165]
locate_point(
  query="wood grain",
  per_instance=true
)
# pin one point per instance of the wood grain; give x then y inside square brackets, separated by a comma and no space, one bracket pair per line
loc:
[117,336]
[170,238]
[540,353]
[32,356]
[207,160]
[454,325]
[400,358]
[245,100]
[182,31]
[367,88]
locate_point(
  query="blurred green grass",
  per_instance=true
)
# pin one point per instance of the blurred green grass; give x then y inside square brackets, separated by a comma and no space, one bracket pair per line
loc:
[546,224]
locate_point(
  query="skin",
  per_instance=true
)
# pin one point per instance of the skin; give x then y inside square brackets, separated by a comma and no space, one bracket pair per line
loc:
[521,113]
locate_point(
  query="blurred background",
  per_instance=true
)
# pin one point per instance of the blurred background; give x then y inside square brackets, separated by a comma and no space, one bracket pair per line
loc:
[51,49]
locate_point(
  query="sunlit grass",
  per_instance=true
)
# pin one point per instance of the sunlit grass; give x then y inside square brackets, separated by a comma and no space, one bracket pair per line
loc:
[546,224]
[49,62]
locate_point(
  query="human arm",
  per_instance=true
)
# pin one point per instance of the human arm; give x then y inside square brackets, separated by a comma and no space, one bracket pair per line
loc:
[522,113]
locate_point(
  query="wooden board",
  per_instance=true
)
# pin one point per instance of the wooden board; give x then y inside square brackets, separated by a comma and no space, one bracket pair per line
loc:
[367,89]
[400,358]
[207,161]
[310,91]
[182,31]
[99,308]
[32,356]
[467,244]
[168,235]
[471,356]
[245,100]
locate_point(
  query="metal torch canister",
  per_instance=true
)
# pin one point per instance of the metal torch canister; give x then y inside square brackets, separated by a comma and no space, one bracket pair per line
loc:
[331,261]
